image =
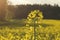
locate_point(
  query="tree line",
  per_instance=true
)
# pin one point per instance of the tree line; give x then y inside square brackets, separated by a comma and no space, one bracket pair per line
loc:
[22,11]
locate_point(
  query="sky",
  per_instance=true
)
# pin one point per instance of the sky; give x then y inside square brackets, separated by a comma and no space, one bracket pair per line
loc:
[19,2]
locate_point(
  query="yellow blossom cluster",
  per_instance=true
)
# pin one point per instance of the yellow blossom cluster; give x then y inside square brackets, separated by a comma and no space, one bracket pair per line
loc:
[35,16]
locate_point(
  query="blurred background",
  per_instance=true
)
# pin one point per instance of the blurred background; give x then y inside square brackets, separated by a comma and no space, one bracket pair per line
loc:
[19,9]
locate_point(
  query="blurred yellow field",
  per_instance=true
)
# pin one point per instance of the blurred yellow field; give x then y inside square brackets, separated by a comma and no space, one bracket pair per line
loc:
[48,30]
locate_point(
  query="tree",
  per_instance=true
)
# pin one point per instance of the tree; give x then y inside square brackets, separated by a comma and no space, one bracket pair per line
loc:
[3,9]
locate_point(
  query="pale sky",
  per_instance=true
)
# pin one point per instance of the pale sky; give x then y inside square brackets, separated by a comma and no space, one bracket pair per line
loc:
[18,2]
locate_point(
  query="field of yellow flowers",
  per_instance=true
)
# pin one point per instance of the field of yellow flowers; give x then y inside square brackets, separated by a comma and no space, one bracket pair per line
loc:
[48,30]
